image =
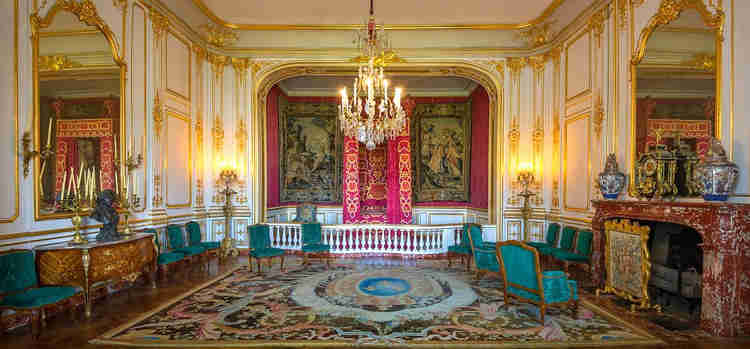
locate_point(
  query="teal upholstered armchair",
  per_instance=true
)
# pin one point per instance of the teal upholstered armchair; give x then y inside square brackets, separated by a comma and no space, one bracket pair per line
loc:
[312,244]
[566,242]
[194,238]
[484,252]
[524,280]
[550,240]
[582,253]
[176,240]
[462,249]
[165,260]
[260,246]
[19,291]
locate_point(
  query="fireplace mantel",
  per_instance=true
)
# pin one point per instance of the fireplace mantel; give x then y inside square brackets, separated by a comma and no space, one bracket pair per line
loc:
[725,229]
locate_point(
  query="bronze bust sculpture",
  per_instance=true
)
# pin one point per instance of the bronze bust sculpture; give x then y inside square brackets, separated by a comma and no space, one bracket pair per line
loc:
[105,213]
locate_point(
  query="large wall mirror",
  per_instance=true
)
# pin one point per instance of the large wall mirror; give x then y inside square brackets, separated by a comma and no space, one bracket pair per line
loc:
[79,109]
[675,75]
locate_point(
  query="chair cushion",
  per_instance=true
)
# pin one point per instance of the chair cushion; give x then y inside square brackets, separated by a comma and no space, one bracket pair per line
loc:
[569,256]
[266,252]
[460,249]
[546,250]
[583,246]
[316,248]
[210,245]
[190,250]
[557,287]
[486,260]
[488,245]
[537,244]
[36,297]
[169,257]
[520,265]
[17,271]
[552,231]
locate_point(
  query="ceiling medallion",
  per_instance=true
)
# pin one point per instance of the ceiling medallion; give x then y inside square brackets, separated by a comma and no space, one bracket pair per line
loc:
[370,116]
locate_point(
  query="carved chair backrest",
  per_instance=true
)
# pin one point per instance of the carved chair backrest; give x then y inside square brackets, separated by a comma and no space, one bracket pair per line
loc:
[311,233]
[194,233]
[17,271]
[566,240]
[259,236]
[552,231]
[583,243]
[519,264]
[175,236]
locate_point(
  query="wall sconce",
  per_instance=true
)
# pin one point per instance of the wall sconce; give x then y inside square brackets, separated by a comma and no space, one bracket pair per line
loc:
[525,175]
[28,154]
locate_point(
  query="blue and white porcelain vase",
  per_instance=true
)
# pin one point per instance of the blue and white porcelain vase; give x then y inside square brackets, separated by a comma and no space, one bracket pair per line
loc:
[611,180]
[716,175]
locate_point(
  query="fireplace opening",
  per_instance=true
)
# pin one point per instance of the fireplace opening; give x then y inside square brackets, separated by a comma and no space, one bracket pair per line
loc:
[676,269]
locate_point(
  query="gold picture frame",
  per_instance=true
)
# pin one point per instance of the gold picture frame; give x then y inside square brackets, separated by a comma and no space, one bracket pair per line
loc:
[627,263]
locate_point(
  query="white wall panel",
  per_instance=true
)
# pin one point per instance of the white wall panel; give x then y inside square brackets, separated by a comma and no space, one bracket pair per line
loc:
[576,177]
[578,66]
[178,66]
[9,142]
[178,169]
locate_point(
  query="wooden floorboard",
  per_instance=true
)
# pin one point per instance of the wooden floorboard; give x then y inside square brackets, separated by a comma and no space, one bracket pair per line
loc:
[117,309]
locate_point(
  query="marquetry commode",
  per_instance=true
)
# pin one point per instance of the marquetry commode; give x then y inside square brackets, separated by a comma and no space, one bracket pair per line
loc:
[97,262]
[725,229]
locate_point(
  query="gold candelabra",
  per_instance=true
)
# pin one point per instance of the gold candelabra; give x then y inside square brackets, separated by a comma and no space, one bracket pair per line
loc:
[74,202]
[29,154]
[227,178]
[125,199]
[525,177]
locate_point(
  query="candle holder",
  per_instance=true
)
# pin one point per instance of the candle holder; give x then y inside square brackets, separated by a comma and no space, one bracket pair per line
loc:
[227,178]
[126,202]
[131,163]
[74,203]
[526,178]
[29,154]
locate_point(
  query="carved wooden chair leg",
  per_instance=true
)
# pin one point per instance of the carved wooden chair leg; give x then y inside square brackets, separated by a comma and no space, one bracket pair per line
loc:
[35,324]
[450,260]
[328,261]
[467,260]
[260,271]
[282,263]
[542,310]
[249,262]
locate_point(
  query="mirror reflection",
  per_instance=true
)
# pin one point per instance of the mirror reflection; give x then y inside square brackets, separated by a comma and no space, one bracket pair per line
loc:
[79,111]
[675,103]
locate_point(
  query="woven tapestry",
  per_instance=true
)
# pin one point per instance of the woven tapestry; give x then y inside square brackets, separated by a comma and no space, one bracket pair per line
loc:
[442,141]
[309,152]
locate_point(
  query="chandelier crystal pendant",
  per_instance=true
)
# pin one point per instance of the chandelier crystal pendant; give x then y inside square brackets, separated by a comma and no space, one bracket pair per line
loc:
[370,115]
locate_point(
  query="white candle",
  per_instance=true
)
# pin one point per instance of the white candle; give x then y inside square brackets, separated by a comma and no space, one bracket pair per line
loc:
[70,180]
[115,146]
[101,182]
[117,186]
[49,131]
[135,184]
[62,192]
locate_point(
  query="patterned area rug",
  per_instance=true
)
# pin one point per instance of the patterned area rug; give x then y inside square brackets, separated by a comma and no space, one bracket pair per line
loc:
[354,304]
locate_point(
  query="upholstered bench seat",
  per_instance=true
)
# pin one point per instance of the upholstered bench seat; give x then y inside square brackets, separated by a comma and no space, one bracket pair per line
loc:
[569,256]
[190,250]
[37,297]
[462,249]
[210,245]
[169,257]
[316,248]
[267,252]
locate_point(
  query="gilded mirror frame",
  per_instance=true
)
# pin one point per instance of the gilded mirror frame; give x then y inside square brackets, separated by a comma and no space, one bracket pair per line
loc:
[86,12]
[669,11]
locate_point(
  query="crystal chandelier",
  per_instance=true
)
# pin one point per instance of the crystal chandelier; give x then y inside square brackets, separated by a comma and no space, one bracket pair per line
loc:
[371,116]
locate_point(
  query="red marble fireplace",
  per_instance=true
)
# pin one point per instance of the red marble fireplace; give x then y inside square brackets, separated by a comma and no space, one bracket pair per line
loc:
[725,229]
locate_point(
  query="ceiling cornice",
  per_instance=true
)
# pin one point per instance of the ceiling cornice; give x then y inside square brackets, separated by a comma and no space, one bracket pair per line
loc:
[554,5]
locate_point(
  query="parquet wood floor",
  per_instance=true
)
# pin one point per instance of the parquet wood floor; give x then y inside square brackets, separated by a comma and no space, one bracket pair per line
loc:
[64,332]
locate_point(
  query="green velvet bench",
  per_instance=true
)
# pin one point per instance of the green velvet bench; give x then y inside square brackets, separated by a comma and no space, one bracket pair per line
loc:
[19,291]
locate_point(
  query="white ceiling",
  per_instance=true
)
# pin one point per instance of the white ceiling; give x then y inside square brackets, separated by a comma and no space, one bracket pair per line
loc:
[417,86]
[389,12]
